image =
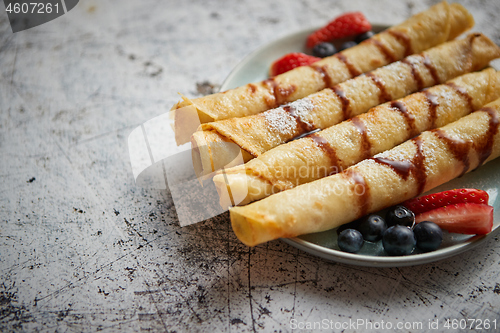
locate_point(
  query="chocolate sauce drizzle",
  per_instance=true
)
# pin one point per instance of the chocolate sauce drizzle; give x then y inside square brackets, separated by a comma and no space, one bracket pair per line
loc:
[389,56]
[302,126]
[346,110]
[432,70]
[252,87]
[410,118]
[419,162]
[486,146]
[322,70]
[461,148]
[402,168]
[384,95]
[415,166]
[328,150]
[403,39]
[458,147]
[270,84]
[361,190]
[366,146]
[350,67]
[433,102]
[461,91]
[414,72]
[280,94]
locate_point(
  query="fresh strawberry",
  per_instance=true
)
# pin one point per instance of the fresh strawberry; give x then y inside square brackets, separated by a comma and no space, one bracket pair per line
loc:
[348,24]
[462,218]
[436,200]
[290,61]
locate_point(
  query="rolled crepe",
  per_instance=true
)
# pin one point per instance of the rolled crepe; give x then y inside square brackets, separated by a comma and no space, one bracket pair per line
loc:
[398,174]
[432,27]
[259,133]
[334,149]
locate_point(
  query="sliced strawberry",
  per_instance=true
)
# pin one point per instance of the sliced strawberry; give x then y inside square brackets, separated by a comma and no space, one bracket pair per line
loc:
[291,61]
[436,200]
[348,24]
[463,218]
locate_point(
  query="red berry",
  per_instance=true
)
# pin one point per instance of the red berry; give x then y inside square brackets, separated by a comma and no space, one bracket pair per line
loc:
[348,24]
[436,200]
[463,218]
[291,61]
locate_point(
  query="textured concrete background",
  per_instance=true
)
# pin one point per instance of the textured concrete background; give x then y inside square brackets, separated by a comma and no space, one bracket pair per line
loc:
[83,249]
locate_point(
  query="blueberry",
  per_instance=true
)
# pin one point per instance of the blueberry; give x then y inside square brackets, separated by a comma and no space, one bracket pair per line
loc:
[350,240]
[361,37]
[347,45]
[429,236]
[400,215]
[398,240]
[323,50]
[351,225]
[372,227]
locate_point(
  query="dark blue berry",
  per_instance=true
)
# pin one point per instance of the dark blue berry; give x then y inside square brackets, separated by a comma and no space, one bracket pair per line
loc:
[351,225]
[400,215]
[361,37]
[347,45]
[350,240]
[398,240]
[372,227]
[323,50]
[429,236]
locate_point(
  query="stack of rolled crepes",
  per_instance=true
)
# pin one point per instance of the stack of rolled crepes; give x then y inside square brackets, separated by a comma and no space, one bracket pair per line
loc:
[338,147]
[213,148]
[326,144]
[417,165]
[438,24]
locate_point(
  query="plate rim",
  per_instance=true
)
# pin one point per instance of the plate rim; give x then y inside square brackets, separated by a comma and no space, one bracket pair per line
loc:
[389,261]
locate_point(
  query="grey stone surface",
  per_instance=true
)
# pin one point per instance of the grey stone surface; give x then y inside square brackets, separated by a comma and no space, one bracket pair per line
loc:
[83,249]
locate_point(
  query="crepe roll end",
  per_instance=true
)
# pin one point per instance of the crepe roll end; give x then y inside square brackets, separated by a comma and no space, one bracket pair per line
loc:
[251,231]
[483,49]
[461,19]
[239,188]
[206,145]
[187,118]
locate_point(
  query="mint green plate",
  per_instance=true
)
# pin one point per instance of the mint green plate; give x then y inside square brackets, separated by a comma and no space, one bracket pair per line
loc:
[255,68]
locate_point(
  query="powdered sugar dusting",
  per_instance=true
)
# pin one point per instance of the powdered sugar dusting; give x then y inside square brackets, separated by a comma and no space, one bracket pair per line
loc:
[414,59]
[302,109]
[280,120]
[446,94]
[403,152]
